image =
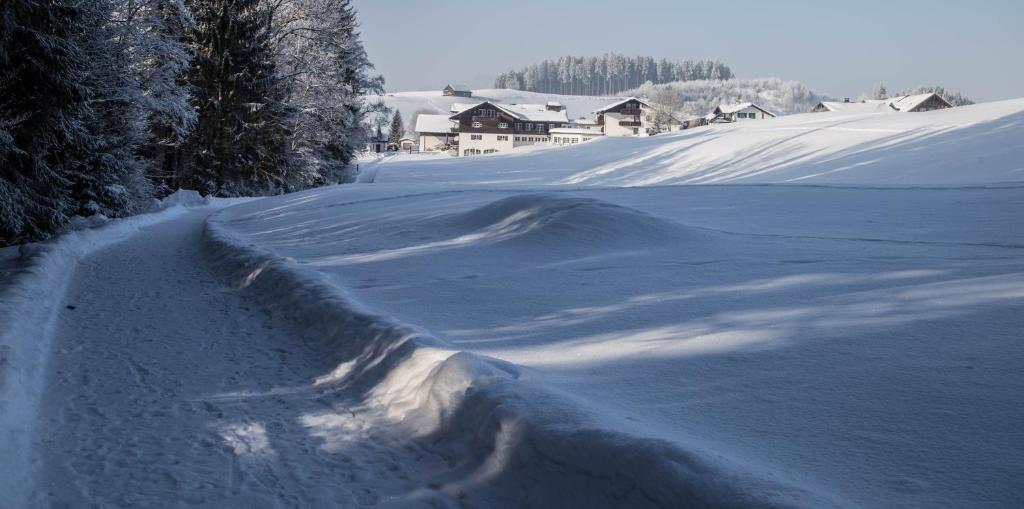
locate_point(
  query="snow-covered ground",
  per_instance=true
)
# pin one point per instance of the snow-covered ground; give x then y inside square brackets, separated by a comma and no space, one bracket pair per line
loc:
[546,327]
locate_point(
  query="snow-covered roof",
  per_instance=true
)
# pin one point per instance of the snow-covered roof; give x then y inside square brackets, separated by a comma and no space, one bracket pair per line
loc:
[526,112]
[859,107]
[621,102]
[459,87]
[426,123]
[554,103]
[460,107]
[534,112]
[733,108]
[909,102]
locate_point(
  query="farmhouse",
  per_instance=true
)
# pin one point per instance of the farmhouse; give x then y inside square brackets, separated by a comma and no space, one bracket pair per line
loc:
[918,103]
[457,90]
[627,117]
[436,132]
[488,127]
[904,104]
[739,112]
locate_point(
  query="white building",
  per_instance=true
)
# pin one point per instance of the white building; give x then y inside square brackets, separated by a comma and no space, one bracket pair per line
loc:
[436,132]
[626,117]
[488,127]
[739,112]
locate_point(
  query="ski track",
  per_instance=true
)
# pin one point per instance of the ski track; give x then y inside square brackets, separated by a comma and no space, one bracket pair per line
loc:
[174,387]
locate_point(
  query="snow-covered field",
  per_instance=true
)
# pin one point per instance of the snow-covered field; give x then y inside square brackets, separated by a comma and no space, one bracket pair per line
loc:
[562,327]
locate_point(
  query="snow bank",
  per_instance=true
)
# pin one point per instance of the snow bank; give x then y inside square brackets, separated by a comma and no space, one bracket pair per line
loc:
[520,444]
[30,297]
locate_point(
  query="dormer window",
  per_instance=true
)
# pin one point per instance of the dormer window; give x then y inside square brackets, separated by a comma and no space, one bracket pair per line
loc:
[502,125]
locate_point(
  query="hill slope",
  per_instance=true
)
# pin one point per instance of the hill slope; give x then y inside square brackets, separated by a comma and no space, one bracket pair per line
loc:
[979,144]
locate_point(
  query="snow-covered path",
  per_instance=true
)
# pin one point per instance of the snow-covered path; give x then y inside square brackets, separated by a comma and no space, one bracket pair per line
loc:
[167,385]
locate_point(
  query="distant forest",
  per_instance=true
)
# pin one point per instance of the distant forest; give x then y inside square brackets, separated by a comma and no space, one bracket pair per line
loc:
[608,74]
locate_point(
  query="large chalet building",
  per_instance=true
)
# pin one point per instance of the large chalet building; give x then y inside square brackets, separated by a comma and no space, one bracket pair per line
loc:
[489,127]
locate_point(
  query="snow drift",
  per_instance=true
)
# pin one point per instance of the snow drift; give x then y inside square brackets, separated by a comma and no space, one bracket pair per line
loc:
[520,444]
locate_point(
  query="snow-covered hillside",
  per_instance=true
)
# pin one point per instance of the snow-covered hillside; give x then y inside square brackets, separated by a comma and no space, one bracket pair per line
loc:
[778,96]
[723,345]
[979,144]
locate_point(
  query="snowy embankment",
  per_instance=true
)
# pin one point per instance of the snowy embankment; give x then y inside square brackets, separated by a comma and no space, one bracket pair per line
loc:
[515,442]
[30,295]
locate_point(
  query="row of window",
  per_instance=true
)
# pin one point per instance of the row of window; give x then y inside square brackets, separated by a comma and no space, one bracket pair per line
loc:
[569,140]
[519,125]
[746,115]
[531,138]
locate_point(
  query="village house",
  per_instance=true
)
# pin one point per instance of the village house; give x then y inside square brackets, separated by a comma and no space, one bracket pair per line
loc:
[457,90]
[487,127]
[436,132]
[904,104]
[627,117]
[738,112]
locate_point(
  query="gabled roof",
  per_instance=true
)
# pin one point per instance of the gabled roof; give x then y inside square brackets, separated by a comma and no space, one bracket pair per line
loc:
[616,104]
[855,107]
[909,102]
[459,87]
[733,108]
[525,112]
[426,123]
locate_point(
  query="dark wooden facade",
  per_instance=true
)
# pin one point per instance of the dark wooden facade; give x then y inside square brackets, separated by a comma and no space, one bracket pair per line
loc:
[451,91]
[632,107]
[488,118]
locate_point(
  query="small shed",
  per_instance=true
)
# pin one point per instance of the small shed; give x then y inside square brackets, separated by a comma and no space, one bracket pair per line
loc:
[457,90]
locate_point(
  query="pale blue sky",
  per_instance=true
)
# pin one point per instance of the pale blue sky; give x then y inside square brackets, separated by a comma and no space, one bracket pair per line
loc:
[839,48]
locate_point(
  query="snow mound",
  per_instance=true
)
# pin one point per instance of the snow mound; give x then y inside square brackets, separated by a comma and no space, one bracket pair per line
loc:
[507,438]
[554,218]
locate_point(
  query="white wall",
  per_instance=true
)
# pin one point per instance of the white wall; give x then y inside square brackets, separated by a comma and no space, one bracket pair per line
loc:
[487,141]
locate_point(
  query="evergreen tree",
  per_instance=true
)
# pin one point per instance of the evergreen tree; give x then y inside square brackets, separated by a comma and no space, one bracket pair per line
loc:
[609,74]
[320,50]
[239,145]
[397,129]
[43,108]
[879,91]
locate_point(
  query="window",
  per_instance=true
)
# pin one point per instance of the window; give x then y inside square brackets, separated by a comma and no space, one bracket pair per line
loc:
[502,125]
[502,138]
[575,140]
[476,137]
[476,125]
[540,127]
[519,126]
[558,139]
[518,138]
[490,151]
[529,126]
[486,112]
